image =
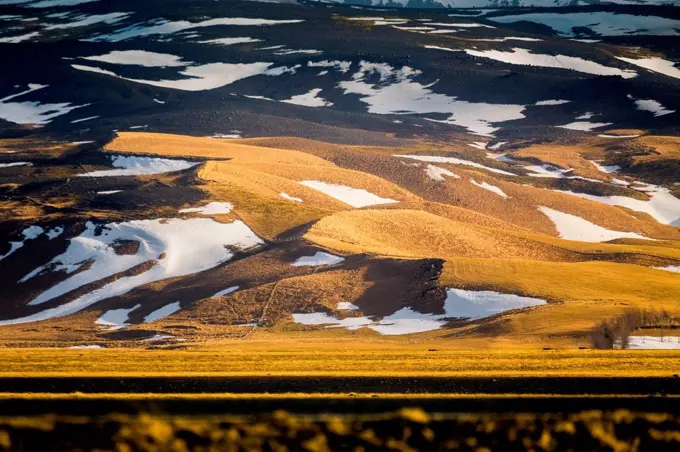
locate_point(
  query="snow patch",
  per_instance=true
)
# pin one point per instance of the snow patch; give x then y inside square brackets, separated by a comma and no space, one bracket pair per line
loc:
[478,145]
[584,126]
[342,66]
[652,106]
[289,197]
[670,268]
[162,27]
[319,258]
[454,161]
[115,319]
[655,64]
[309,99]
[604,135]
[464,304]
[355,197]
[551,102]
[230,41]
[9,165]
[437,173]
[571,227]
[198,78]
[525,57]
[135,166]
[213,208]
[489,187]
[140,58]
[162,312]
[226,291]
[19,38]
[30,233]
[398,93]
[75,121]
[169,248]
[654,343]
[661,205]
[32,112]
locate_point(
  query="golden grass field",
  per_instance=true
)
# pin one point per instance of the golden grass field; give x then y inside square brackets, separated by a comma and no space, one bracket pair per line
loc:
[336,359]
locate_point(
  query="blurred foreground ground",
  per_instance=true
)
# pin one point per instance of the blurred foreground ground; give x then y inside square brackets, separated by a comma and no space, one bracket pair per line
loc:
[404,430]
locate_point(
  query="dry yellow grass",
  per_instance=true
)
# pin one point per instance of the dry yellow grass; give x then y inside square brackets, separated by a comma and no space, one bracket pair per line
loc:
[662,147]
[186,146]
[289,396]
[489,242]
[567,281]
[565,157]
[411,233]
[587,292]
[269,171]
[337,359]
[34,147]
[527,199]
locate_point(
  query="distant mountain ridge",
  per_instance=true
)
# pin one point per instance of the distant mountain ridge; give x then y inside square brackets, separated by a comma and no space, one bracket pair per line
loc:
[500,3]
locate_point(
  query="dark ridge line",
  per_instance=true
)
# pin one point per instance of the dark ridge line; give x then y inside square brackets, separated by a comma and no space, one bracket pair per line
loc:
[342,384]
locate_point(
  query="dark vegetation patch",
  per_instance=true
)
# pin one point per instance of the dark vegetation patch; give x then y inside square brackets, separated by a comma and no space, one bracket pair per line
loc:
[278,384]
[407,429]
[125,247]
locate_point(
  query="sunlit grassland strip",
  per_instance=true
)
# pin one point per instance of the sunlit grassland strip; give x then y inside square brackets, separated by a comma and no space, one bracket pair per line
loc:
[323,360]
[299,395]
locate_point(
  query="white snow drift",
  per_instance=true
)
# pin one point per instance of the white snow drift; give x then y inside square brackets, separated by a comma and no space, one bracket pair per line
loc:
[226,291]
[198,78]
[230,41]
[162,312]
[289,197]
[398,93]
[654,343]
[489,187]
[655,64]
[212,208]
[30,233]
[309,99]
[32,112]
[163,26]
[168,248]
[319,258]
[136,166]
[584,126]
[571,227]
[652,106]
[437,173]
[454,161]
[355,197]
[463,304]
[661,205]
[139,58]
[116,318]
[526,57]
[12,164]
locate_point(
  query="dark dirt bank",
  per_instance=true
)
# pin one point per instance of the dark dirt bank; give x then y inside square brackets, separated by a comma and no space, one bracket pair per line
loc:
[302,384]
